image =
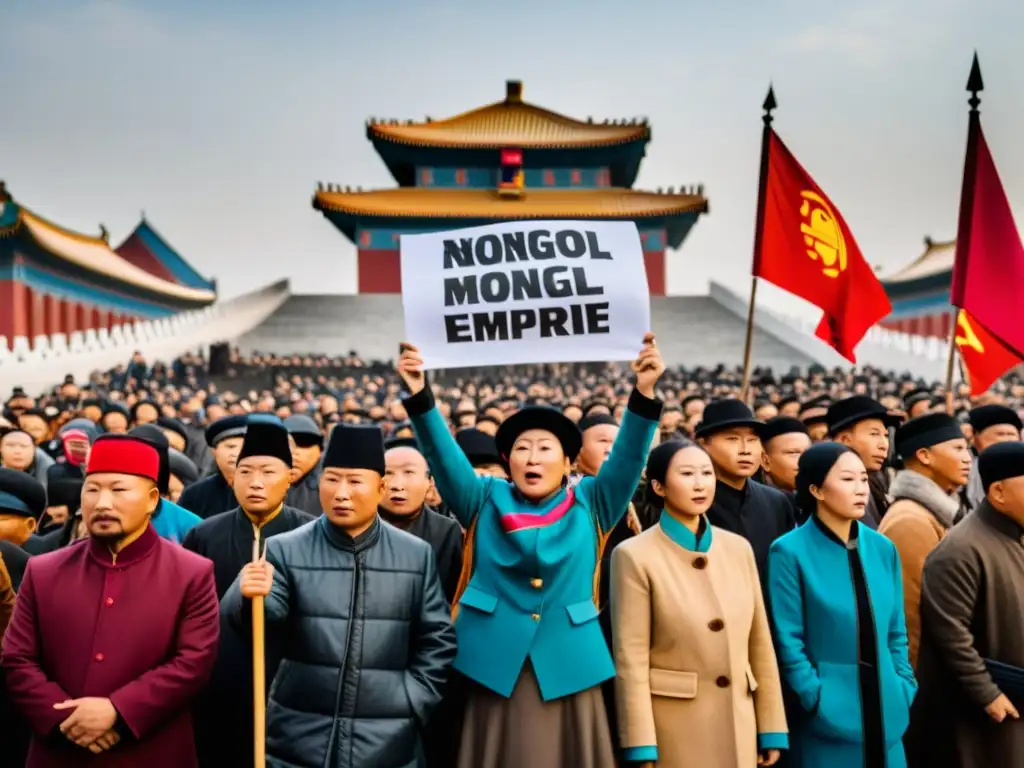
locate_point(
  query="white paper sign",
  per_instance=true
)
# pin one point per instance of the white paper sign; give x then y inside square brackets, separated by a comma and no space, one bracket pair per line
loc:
[526,292]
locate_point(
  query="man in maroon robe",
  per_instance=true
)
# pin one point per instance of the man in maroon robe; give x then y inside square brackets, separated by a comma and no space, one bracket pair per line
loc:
[113,636]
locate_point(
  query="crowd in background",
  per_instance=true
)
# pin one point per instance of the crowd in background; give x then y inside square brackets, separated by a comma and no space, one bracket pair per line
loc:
[778,480]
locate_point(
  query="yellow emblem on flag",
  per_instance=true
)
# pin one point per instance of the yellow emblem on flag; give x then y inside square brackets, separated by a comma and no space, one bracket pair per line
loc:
[965,336]
[822,234]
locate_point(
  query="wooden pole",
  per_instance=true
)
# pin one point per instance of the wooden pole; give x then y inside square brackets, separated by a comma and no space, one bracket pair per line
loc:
[950,364]
[748,348]
[762,183]
[259,673]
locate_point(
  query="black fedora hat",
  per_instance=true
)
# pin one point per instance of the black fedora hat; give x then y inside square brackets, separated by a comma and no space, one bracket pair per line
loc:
[850,411]
[539,417]
[726,414]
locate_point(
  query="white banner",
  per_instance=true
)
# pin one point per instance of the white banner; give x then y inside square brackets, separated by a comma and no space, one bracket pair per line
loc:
[526,292]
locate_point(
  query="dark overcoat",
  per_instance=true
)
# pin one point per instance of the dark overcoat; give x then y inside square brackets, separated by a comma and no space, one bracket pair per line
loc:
[210,496]
[223,711]
[971,610]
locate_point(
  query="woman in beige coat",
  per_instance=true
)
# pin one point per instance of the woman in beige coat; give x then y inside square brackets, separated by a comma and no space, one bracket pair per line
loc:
[697,683]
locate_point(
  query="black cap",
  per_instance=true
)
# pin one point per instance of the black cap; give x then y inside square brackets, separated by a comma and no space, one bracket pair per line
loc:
[304,431]
[152,434]
[182,467]
[115,406]
[780,425]
[222,429]
[850,411]
[1001,461]
[726,414]
[64,486]
[592,405]
[925,431]
[21,494]
[539,417]
[266,438]
[788,399]
[140,403]
[919,395]
[985,416]
[596,419]
[355,447]
[175,426]
[479,447]
[401,442]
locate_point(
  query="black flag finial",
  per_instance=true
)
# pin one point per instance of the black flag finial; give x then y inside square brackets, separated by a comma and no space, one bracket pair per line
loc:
[769,105]
[975,84]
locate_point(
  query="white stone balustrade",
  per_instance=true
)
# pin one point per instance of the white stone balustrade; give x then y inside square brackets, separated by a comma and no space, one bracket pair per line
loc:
[40,365]
[881,348]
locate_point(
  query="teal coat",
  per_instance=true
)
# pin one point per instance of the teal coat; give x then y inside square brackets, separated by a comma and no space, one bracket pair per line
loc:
[531,594]
[172,522]
[813,606]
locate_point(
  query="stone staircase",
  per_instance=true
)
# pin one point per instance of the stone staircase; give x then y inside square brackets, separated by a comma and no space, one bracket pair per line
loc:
[691,330]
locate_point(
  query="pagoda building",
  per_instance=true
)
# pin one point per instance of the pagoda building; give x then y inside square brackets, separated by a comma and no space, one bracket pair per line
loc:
[506,161]
[55,281]
[920,292]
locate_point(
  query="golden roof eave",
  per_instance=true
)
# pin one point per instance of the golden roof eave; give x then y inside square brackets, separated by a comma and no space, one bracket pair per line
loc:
[511,123]
[937,259]
[424,203]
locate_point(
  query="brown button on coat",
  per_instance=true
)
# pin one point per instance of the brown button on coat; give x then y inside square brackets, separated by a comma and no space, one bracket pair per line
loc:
[696,673]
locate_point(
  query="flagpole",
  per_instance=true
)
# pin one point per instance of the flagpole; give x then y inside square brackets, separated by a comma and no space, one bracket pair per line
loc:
[950,364]
[975,85]
[762,183]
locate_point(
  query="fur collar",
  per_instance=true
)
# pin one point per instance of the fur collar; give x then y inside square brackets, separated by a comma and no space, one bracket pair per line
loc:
[916,487]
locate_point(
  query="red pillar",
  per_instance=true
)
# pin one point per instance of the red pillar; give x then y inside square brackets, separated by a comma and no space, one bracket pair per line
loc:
[37,315]
[14,309]
[654,263]
[69,316]
[95,318]
[53,321]
[82,316]
[379,271]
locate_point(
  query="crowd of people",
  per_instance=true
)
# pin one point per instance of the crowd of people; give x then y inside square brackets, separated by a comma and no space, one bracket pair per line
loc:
[539,567]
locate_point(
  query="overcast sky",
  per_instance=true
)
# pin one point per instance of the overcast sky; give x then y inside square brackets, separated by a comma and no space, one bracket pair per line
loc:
[218,118]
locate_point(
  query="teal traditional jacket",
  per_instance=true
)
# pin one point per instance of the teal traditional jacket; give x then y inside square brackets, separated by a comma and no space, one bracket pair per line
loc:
[531,594]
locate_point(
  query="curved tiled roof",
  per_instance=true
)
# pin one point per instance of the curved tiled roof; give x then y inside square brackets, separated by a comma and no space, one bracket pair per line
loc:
[93,254]
[937,259]
[147,249]
[428,203]
[509,123]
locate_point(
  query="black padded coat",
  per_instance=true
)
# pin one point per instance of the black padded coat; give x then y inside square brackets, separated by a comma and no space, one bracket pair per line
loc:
[367,644]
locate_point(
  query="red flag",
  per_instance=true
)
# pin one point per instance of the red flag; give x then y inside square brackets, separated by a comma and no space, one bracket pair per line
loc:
[985,357]
[805,247]
[988,274]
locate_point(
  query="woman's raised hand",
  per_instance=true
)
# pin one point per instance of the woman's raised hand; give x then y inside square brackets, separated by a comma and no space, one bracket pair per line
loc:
[648,366]
[410,368]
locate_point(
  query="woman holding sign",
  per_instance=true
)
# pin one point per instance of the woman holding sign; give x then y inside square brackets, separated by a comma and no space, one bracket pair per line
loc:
[526,611]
